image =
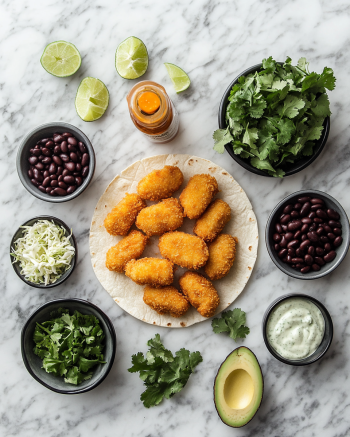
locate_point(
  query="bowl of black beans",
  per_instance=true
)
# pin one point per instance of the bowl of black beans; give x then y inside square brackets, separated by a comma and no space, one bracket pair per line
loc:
[307,234]
[56,162]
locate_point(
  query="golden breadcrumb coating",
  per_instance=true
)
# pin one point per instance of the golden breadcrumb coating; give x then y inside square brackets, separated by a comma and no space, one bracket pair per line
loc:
[166,300]
[130,247]
[197,195]
[165,216]
[213,220]
[200,292]
[183,249]
[123,216]
[222,252]
[153,271]
[160,184]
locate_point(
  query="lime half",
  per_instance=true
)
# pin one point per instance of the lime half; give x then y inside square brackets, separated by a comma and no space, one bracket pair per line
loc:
[179,78]
[131,58]
[92,99]
[61,59]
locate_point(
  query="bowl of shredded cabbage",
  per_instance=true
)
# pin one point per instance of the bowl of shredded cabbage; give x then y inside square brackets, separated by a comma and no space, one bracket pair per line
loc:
[43,252]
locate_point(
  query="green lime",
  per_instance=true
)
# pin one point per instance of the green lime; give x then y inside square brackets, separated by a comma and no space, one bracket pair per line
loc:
[92,99]
[179,78]
[131,58]
[61,59]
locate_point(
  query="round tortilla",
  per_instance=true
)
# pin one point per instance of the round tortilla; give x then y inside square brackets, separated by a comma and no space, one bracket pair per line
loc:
[242,225]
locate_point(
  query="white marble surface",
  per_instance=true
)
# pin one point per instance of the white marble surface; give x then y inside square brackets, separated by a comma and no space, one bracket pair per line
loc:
[213,41]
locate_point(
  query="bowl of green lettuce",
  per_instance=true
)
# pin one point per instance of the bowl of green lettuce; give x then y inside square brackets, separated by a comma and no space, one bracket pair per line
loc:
[274,118]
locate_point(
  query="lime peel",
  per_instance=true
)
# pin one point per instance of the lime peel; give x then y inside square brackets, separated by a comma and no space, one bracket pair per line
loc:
[92,99]
[61,59]
[178,77]
[131,58]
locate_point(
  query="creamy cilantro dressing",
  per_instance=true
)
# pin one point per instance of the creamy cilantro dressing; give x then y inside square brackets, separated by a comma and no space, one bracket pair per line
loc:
[295,328]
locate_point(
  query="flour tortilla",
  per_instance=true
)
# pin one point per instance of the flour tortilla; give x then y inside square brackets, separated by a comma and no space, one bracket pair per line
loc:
[242,225]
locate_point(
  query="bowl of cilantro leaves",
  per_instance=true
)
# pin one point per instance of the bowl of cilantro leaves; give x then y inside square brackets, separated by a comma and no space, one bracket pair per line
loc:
[274,118]
[68,345]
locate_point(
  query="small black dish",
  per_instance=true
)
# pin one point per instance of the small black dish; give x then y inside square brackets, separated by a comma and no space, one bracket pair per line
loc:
[325,343]
[34,364]
[341,251]
[19,233]
[288,168]
[30,140]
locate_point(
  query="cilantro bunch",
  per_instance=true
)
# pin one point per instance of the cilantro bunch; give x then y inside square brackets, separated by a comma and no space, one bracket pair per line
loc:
[70,346]
[232,322]
[274,116]
[162,373]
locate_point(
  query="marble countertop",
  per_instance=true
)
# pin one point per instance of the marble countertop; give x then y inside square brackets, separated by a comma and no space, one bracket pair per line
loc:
[213,41]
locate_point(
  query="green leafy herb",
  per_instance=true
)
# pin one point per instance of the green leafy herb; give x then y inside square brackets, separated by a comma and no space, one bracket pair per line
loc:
[275,115]
[162,373]
[70,346]
[232,322]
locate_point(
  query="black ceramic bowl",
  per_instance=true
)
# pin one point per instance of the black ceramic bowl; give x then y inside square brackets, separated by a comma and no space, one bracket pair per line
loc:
[341,251]
[288,168]
[30,140]
[19,233]
[34,364]
[325,343]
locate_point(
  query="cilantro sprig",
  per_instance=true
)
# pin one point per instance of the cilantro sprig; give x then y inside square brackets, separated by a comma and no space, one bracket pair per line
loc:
[70,346]
[275,115]
[161,372]
[232,322]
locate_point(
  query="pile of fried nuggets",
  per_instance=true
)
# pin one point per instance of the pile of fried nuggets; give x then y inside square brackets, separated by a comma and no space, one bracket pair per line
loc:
[208,248]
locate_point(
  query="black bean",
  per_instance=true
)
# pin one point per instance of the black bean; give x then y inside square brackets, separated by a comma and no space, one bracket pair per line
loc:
[41,157]
[278,228]
[277,247]
[319,251]
[72,141]
[331,236]
[85,172]
[319,261]
[30,173]
[284,227]
[338,241]
[282,253]
[330,256]
[327,228]
[315,267]
[300,266]
[328,247]
[53,177]
[304,199]
[60,191]
[305,269]
[57,150]
[294,225]
[294,214]
[299,253]
[293,243]
[70,180]
[54,183]
[66,172]
[283,242]
[333,214]
[73,157]
[291,252]
[316,201]
[46,151]
[320,231]
[78,181]
[318,220]
[33,160]
[315,207]
[57,138]
[305,244]
[321,214]
[60,178]
[289,259]
[337,231]
[85,159]
[49,143]
[71,189]
[304,228]
[52,168]
[303,237]
[70,166]
[311,251]
[46,160]
[324,239]
[66,135]
[46,182]
[334,224]
[52,192]
[289,236]
[37,152]
[298,206]
[41,188]
[78,167]
[48,190]
[312,215]
[34,182]
[39,166]
[83,149]
[59,170]
[62,185]
[64,157]
[305,209]
[308,260]
[297,235]
[312,236]
[37,175]
[64,147]
[57,160]
[297,260]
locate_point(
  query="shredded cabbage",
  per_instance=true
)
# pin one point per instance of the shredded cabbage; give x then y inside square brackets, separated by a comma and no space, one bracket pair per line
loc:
[44,252]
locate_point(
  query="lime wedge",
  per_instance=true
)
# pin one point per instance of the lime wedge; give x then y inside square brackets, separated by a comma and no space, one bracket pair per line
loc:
[92,99]
[131,58]
[61,59]
[178,77]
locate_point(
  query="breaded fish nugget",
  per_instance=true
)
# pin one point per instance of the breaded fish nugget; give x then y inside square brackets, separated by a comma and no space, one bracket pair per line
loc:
[166,300]
[213,220]
[153,271]
[130,247]
[160,184]
[197,195]
[165,216]
[183,249]
[200,292]
[222,252]
[123,216]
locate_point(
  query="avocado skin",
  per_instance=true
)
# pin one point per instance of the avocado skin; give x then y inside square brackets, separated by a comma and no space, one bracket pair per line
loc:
[217,374]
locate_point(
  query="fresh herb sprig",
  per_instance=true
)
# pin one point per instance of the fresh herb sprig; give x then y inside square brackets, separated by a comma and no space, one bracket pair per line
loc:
[70,346]
[232,322]
[162,373]
[275,115]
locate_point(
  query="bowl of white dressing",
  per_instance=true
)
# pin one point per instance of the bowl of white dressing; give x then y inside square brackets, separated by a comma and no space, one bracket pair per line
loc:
[297,329]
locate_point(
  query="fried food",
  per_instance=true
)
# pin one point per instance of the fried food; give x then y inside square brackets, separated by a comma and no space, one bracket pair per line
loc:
[166,300]
[130,247]
[160,184]
[165,216]
[197,195]
[152,271]
[183,249]
[213,220]
[222,252]
[123,215]
[200,292]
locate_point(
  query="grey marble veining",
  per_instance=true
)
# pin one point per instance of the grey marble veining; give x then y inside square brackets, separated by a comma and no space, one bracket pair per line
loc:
[213,41]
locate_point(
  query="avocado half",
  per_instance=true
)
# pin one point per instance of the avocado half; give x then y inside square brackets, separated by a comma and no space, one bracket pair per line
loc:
[238,388]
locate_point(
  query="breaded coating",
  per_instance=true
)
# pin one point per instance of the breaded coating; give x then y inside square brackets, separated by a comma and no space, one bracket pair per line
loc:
[160,184]
[183,249]
[166,300]
[197,195]
[130,247]
[213,220]
[123,216]
[200,292]
[222,252]
[153,271]
[165,216]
